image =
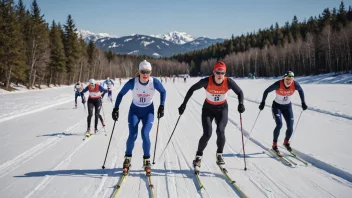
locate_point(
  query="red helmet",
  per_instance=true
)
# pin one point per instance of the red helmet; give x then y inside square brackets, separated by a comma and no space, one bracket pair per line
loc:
[220,66]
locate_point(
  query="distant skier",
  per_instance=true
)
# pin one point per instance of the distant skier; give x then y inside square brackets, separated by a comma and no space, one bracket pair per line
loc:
[214,107]
[184,78]
[142,109]
[109,84]
[120,80]
[78,92]
[94,101]
[284,88]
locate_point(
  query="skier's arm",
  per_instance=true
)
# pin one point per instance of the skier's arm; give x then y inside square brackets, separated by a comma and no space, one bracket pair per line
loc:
[271,88]
[159,87]
[102,89]
[300,91]
[203,83]
[128,86]
[232,85]
[112,82]
[85,89]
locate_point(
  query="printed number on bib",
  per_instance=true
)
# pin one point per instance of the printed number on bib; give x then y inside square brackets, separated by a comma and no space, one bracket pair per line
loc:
[142,99]
[216,98]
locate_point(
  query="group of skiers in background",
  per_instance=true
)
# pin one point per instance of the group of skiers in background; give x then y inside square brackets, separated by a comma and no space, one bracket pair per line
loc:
[215,106]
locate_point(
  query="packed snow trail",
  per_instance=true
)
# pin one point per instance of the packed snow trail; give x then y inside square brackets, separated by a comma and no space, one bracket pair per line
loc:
[43,154]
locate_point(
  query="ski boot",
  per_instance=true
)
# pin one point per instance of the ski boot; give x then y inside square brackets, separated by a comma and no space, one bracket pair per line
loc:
[197,163]
[147,166]
[126,165]
[219,159]
[287,146]
[88,134]
[276,151]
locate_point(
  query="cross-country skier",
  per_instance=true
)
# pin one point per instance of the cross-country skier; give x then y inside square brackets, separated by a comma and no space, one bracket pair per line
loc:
[215,107]
[78,92]
[109,83]
[284,88]
[141,109]
[94,101]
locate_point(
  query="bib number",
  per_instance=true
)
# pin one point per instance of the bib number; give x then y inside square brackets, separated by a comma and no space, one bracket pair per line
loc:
[142,100]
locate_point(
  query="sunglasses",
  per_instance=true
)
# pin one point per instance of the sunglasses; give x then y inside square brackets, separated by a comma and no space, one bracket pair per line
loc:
[145,71]
[220,73]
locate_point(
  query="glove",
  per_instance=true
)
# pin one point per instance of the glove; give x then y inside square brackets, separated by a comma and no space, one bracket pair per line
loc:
[115,114]
[102,96]
[262,105]
[240,108]
[181,109]
[304,106]
[161,111]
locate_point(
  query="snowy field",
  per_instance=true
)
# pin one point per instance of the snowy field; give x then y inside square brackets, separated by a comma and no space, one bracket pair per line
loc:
[43,155]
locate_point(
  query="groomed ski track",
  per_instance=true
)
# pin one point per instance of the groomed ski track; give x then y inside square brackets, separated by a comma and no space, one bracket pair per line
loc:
[43,154]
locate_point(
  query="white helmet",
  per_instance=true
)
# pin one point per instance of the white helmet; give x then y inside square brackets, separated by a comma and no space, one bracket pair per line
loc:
[145,65]
[91,81]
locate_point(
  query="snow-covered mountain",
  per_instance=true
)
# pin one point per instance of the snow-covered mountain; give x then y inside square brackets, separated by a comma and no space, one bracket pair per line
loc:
[87,35]
[164,45]
[175,37]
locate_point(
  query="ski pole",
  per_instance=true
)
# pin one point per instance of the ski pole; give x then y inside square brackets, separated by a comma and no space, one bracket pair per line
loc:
[244,153]
[249,135]
[156,140]
[170,136]
[296,125]
[109,145]
[102,109]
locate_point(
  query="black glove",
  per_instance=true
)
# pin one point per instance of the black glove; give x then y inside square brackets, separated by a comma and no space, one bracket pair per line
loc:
[161,111]
[304,106]
[115,114]
[181,109]
[240,108]
[262,105]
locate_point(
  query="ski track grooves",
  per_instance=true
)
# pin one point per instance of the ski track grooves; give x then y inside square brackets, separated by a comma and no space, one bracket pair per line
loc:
[63,164]
[14,163]
[315,162]
[34,110]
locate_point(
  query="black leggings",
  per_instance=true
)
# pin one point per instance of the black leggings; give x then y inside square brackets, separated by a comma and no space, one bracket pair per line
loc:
[221,118]
[94,103]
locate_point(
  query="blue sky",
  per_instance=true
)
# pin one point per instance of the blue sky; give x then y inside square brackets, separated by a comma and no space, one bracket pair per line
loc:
[214,19]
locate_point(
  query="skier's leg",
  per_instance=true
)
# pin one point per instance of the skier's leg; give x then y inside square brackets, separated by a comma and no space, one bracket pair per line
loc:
[90,112]
[207,119]
[278,120]
[133,121]
[288,115]
[83,98]
[221,119]
[76,95]
[97,105]
[147,122]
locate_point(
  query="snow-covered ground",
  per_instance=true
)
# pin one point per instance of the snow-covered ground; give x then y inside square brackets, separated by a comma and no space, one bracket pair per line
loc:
[43,155]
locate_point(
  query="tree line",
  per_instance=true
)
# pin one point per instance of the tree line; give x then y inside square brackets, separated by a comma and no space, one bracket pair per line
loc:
[318,45]
[34,52]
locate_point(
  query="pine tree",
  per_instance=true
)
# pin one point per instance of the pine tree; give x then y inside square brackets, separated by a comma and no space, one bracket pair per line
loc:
[91,56]
[57,55]
[39,43]
[71,46]
[11,48]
